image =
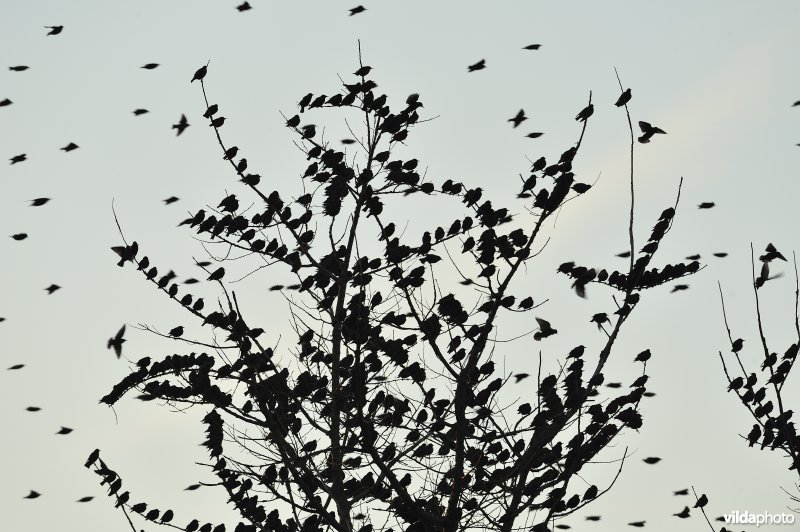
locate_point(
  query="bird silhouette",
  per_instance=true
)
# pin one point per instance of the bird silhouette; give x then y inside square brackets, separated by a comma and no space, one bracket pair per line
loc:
[545,329]
[683,514]
[679,288]
[721,254]
[356,10]
[54,30]
[177,332]
[150,66]
[33,409]
[245,6]
[181,125]
[211,111]
[85,499]
[624,98]
[535,135]
[771,254]
[19,158]
[520,376]
[648,131]
[52,288]
[19,236]
[140,112]
[585,113]
[116,342]
[18,68]
[217,122]
[32,495]
[170,200]
[644,356]
[681,492]
[69,147]
[532,47]
[363,71]
[651,460]
[200,73]
[480,65]
[5,102]
[16,367]
[706,205]
[64,430]
[518,118]
[637,524]
[737,345]
[701,502]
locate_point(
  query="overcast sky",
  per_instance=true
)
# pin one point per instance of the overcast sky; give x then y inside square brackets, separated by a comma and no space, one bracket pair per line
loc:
[719,77]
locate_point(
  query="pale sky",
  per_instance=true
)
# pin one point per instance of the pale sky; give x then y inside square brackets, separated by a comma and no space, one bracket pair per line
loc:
[719,77]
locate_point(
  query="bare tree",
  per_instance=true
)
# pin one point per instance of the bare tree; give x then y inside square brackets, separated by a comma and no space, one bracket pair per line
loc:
[390,412]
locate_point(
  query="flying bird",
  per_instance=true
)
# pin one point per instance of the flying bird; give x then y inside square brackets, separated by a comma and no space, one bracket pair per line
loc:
[651,460]
[532,47]
[681,492]
[721,254]
[624,98]
[19,158]
[16,367]
[20,236]
[518,118]
[592,517]
[480,65]
[85,499]
[356,10]
[683,514]
[679,287]
[245,6]
[706,205]
[648,131]
[117,341]
[64,430]
[637,524]
[54,30]
[771,254]
[5,102]
[200,73]
[181,125]
[19,68]
[170,200]
[69,147]
[534,135]
[52,288]
[150,66]
[545,329]
[33,409]
[139,112]
[585,113]
[32,495]
[521,376]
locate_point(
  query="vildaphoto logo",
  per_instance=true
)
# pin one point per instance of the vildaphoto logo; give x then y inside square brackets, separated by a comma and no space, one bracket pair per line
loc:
[758,519]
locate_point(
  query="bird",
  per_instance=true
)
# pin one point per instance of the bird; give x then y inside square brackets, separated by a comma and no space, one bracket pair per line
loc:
[231,152]
[32,495]
[624,98]
[54,30]
[600,318]
[217,275]
[521,376]
[150,66]
[19,68]
[170,200]
[116,342]
[585,113]
[651,460]
[679,287]
[681,492]
[33,409]
[637,524]
[19,158]
[737,345]
[721,254]
[363,71]
[181,125]
[356,10]
[701,502]
[795,104]
[19,236]
[244,7]
[217,122]
[480,65]
[16,367]
[683,514]
[518,118]
[532,47]
[177,331]
[592,517]
[139,112]
[211,111]
[69,147]
[64,430]
[545,329]
[771,254]
[52,288]
[5,102]
[644,356]
[534,135]
[200,73]
[706,205]
[648,131]
[85,499]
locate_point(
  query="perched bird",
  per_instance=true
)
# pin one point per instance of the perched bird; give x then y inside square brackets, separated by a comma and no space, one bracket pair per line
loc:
[177,331]
[5,102]
[363,71]
[64,430]
[644,356]
[701,502]
[54,30]
[600,318]
[32,495]
[624,98]
[117,341]
[170,200]
[648,131]
[480,65]
[518,118]
[293,121]
[356,10]
[683,514]
[181,125]
[150,66]
[706,205]
[211,111]
[18,68]
[651,460]
[217,275]
[139,112]
[545,329]
[200,73]
[532,47]
[737,345]
[20,236]
[69,147]
[217,122]
[52,288]
[245,6]
[19,158]
[585,113]
[231,152]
